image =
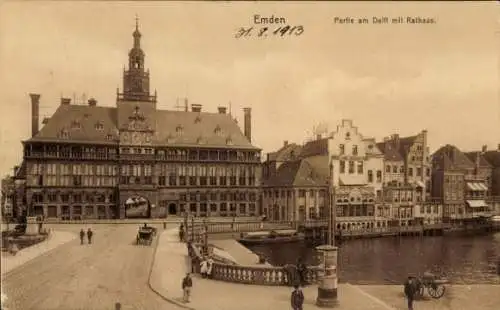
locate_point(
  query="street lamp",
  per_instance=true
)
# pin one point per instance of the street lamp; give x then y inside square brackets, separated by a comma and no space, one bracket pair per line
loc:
[327,288]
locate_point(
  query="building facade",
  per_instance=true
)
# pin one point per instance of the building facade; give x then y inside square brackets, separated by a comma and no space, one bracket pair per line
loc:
[460,184]
[135,160]
[356,176]
[407,180]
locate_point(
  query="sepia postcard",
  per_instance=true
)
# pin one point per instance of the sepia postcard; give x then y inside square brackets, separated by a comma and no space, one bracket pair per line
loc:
[250,155]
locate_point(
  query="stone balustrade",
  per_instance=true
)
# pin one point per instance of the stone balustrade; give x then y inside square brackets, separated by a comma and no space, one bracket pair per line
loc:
[256,275]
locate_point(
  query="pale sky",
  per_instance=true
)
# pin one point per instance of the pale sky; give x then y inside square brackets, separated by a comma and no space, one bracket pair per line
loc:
[442,77]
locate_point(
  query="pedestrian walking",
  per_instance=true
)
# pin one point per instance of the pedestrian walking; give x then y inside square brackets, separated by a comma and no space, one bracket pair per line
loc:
[89,235]
[181,233]
[204,268]
[410,289]
[82,236]
[301,272]
[187,284]
[297,298]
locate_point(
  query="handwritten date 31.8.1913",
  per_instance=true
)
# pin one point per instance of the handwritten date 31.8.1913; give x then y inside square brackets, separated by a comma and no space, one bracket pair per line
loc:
[282,31]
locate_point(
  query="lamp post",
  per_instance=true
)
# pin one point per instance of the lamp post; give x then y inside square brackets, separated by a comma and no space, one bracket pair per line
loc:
[327,288]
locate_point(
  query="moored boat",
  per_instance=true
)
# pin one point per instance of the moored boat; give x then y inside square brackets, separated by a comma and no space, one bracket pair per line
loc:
[273,236]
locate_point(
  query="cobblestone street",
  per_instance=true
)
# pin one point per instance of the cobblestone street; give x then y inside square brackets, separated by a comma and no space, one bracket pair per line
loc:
[91,277]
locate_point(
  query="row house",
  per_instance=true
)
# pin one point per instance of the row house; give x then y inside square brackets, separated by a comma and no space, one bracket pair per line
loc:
[407,179]
[135,160]
[461,182]
[355,165]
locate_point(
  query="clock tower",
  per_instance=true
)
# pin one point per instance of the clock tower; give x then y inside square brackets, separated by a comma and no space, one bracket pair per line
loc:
[136,78]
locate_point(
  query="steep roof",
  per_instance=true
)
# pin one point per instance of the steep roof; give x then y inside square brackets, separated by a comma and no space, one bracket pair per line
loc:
[94,124]
[450,157]
[312,171]
[317,147]
[482,161]
[286,153]
[493,158]
[390,152]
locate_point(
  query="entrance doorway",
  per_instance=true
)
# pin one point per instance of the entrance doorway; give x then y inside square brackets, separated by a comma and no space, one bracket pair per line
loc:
[172,209]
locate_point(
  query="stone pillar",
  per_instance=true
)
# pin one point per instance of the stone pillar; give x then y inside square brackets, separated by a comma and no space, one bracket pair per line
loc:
[327,288]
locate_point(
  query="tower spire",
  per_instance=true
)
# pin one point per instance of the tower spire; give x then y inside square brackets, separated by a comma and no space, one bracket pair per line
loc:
[136,22]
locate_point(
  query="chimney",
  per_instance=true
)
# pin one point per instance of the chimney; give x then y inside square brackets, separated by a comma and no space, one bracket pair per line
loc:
[195,107]
[222,110]
[92,102]
[35,107]
[66,101]
[485,148]
[285,143]
[247,123]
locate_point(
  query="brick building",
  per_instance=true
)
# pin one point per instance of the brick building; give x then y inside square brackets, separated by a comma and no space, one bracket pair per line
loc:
[460,184]
[135,160]
[407,179]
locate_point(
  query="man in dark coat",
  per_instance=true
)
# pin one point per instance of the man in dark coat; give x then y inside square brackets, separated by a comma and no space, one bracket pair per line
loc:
[301,272]
[297,298]
[82,236]
[187,284]
[410,289]
[89,235]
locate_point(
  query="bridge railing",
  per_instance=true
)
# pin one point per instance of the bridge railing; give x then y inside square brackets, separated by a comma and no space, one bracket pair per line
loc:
[255,275]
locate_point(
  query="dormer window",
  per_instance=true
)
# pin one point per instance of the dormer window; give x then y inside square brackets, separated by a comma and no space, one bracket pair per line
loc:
[64,134]
[179,129]
[99,126]
[348,136]
[200,140]
[76,125]
[109,137]
[217,130]
[229,141]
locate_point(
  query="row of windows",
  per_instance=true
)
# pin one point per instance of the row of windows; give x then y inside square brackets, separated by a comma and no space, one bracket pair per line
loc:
[206,181]
[394,169]
[203,170]
[221,196]
[76,198]
[288,193]
[342,149]
[222,207]
[72,169]
[351,169]
[77,180]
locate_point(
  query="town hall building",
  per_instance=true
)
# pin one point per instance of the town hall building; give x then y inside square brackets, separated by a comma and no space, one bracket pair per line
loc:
[135,160]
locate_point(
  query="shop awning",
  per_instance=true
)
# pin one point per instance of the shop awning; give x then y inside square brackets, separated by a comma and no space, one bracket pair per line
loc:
[420,184]
[476,203]
[477,187]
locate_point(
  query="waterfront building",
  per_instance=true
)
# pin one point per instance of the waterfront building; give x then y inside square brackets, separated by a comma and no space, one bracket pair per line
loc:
[493,158]
[460,184]
[357,169]
[136,160]
[407,179]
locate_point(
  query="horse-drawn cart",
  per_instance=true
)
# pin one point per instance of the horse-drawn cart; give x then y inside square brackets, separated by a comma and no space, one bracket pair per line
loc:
[145,235]
[435,286]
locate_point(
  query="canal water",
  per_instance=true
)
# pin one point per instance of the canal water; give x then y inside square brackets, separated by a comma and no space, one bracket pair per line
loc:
[462,260]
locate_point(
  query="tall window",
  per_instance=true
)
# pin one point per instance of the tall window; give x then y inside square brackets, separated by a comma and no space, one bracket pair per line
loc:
[379,176]
[351,167]
[370,176]
[341,149]
[342,166]
[354,150]
[360,167]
